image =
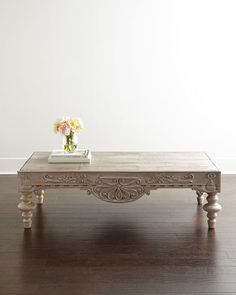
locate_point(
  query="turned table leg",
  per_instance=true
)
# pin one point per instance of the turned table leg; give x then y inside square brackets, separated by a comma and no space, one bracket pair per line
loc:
[39,195]
[200,198]
[212,207]
[26,206]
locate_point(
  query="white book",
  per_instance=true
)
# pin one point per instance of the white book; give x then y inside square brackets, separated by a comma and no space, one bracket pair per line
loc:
[79,156]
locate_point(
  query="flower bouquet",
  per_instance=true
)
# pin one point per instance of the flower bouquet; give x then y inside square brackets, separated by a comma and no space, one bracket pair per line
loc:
[68,128]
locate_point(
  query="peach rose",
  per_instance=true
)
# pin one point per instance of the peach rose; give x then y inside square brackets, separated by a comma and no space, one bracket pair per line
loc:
[64,129]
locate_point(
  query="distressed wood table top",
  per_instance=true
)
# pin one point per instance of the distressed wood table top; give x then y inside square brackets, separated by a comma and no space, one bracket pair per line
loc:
[127,162]
[121,177]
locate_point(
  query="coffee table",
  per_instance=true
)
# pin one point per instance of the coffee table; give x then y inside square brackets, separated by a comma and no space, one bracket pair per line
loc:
[121,177]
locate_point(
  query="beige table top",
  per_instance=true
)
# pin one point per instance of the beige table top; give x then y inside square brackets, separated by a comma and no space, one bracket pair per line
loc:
[127,162]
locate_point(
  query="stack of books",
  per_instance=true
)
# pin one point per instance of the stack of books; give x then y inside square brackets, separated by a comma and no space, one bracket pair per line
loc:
[79,156]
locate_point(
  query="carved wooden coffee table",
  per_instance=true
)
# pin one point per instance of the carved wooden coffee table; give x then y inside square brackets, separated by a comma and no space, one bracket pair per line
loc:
[121,177]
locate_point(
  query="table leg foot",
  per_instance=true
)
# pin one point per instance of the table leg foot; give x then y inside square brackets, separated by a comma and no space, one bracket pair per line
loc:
[26,206]
[200,198]
[212,208]
[39,196]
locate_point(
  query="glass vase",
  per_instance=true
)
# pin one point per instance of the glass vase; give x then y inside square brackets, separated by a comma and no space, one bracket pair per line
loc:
[70,143]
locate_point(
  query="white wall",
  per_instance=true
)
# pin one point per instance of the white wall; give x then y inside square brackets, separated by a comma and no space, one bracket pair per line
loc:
[142,74]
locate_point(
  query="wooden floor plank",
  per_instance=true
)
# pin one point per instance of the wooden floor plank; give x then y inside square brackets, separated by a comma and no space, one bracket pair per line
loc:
[80,245]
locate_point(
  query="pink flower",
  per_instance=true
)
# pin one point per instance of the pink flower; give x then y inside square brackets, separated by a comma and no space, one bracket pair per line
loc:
[64,129]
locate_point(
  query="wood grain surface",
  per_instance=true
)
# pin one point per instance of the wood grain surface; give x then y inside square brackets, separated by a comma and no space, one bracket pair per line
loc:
[127,162]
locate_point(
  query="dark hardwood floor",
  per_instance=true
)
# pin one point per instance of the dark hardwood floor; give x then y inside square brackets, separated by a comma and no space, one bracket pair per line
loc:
[80,245]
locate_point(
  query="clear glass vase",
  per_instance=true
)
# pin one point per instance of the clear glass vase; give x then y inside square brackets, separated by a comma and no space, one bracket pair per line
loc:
[70,143]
